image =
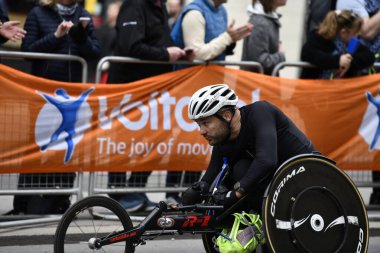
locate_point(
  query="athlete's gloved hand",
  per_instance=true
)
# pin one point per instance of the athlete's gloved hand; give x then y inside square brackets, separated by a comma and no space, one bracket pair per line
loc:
[223,196]
[194,193]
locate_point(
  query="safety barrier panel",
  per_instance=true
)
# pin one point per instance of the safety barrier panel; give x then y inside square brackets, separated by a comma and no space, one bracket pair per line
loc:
[301,64]
[97,181]
[9,182]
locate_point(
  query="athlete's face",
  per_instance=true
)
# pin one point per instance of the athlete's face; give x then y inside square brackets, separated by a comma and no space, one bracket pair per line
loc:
[214,130]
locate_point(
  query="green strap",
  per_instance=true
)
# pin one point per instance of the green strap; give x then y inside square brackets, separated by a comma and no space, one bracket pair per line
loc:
[331,75]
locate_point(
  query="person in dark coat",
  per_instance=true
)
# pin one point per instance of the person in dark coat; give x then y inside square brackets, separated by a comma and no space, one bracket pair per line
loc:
[142,32]
[54,27]
[326,48]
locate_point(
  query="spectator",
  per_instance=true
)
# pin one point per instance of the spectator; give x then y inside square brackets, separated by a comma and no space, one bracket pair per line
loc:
[202,26]
[53,26]
[326,48]
[142,32]
[369,10]
[264,45]
[174,9]
[9,30]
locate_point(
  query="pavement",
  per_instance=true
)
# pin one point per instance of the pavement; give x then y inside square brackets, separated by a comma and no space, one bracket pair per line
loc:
[36,235]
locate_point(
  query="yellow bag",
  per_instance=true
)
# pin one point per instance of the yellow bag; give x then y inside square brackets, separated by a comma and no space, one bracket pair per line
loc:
[244,240]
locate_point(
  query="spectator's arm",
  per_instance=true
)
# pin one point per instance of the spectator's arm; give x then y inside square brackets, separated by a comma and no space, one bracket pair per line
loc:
[32,42]
[11,30]
[193,26]
[131,25]
[371,27]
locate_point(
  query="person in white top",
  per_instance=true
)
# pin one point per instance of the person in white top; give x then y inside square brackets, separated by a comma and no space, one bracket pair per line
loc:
[202,26]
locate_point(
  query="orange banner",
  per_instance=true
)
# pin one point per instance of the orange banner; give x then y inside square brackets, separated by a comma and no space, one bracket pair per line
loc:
[49,126]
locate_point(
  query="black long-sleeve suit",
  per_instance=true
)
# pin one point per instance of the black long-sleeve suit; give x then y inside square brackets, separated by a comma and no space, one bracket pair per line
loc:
[267,138]
[142,32]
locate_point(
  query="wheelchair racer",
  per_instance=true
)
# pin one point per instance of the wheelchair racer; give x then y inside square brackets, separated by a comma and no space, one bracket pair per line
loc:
[256,139]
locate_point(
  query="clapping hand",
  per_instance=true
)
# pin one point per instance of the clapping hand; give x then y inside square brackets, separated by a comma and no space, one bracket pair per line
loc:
[240,32]
[63,29]
[12,31]
[344,64]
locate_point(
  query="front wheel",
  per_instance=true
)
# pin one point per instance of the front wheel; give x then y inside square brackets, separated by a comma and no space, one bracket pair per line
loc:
[92,217]
[209,242]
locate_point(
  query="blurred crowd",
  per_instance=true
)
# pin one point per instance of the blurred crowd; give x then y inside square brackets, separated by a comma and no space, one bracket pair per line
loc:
[342,39]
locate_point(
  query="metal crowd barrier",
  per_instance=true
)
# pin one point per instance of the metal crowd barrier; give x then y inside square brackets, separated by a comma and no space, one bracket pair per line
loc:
[44,56]
[301,64]
[281,65]
[9,182]
[119,59]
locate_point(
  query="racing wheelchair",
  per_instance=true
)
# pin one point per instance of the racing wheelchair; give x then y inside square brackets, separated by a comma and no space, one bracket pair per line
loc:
[309,206]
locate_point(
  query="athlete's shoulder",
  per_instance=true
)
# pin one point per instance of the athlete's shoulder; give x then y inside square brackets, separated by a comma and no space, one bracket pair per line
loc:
[256,105]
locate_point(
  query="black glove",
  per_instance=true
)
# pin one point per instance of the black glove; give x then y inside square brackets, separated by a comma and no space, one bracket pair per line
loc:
[78,33]
[202,186]
[194,193]
[223,196]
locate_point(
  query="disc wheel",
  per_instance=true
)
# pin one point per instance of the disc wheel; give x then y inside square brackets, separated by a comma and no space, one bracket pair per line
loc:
[313,206]
[89,218]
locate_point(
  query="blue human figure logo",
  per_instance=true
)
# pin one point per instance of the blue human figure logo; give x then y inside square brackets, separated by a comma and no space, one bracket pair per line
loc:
[69,110]
[376,103]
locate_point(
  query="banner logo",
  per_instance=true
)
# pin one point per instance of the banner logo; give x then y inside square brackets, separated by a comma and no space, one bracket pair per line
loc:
[370,126]
[62,121]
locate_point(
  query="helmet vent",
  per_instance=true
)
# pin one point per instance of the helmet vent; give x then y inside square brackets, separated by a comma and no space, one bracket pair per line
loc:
[202,106]
[195,106]
[225,93]
[215,103]
[200,95]
[216,90]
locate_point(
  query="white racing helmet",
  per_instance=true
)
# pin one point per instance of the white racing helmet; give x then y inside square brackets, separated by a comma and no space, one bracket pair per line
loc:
[210,99]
